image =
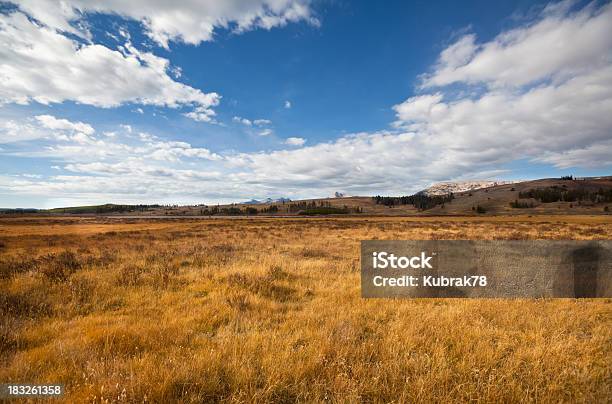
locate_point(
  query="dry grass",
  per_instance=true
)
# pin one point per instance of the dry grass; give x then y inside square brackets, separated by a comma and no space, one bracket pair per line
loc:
[269,310]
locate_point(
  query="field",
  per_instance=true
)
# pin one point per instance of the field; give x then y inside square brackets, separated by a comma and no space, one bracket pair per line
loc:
[269,309]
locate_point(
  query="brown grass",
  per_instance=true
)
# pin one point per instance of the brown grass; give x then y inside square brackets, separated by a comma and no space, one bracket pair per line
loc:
[268,310]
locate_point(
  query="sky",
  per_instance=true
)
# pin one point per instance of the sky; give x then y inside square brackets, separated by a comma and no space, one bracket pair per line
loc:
[205,102]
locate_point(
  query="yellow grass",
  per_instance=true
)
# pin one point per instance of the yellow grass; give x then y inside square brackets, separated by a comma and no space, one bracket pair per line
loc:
[265,310]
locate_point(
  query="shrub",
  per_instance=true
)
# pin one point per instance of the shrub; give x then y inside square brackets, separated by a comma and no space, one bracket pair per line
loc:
[12,266]
[238,301]
[520,205]
[310,252]
[130,275]
[163,272]
[22,305]
[81,290]
[59,267]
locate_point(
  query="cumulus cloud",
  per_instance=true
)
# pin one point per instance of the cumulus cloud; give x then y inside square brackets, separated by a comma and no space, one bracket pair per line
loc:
[548,87]
[262,122]
[202,114]
[595,155]
[558,45]
[42,65]
[51,122]
[447,134]
[295,141]
[243,121]
[190,22]
[265,132]
[420,108]
[287,104]
[252,122]
[44,127]
[12,131]
[76,141]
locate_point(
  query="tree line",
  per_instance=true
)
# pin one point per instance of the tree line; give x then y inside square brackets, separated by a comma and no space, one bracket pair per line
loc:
[301,208]
[558,194]
[419,201]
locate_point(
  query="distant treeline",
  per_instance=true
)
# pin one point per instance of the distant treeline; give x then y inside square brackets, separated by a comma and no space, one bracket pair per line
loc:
[521,205]
[419,201]
[301,208]
[328,211]
[320,208]
[558,194]
[108,208]
[8,211]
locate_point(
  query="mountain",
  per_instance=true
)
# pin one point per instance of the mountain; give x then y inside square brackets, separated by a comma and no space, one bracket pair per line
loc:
[548,196]
[445,188]
[265,201]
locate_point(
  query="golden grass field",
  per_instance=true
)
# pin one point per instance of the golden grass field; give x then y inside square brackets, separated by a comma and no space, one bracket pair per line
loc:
[269,310]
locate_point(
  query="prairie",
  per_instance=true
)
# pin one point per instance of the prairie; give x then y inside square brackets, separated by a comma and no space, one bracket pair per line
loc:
[269,310]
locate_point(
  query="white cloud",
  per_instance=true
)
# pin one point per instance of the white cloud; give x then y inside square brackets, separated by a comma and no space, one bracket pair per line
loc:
[51,122]
[42,65]
[595,155]
[459,53]
[44,127]
[420,108]
[174,151]
[265,132]
[187,21]
[295,141]
[287,104]
[505,125]
[558,45]
[12,131]
[202,114]
[76,141]
[564,121]
[249,122]
[262,122]
[243,121]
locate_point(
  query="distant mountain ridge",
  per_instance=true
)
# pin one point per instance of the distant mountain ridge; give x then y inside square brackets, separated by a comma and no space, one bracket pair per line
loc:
[445,188]
[546,196]
[264,201]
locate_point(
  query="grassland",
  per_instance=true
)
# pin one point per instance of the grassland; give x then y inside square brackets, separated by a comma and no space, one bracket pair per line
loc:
[262,309]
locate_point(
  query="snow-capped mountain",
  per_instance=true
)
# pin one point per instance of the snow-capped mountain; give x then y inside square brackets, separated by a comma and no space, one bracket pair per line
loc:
[267,200]
[444,188]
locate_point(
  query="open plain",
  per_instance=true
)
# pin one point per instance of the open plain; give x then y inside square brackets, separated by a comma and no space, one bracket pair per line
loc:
[269,309]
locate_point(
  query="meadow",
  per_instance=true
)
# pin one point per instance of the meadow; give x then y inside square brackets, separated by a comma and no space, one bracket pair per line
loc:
[269,310]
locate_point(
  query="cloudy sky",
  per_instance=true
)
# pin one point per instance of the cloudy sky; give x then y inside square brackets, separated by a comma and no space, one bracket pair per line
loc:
[206,101]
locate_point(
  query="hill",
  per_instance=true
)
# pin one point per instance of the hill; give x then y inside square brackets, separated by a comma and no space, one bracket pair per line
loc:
[575,196]
[445,188]
[538,197]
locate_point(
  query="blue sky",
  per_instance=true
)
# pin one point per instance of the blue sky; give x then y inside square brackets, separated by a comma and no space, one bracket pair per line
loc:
[150,102]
